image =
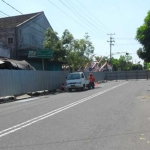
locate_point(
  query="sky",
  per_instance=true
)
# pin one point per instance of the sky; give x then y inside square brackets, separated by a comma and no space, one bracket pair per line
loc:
[98,18]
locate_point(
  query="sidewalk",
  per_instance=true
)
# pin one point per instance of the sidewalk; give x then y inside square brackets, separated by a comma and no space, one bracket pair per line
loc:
[33,94]
[25,96]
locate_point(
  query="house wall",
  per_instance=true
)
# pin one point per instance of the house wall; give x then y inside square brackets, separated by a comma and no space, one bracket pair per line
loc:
[48,65]
[30,35]
[7,50]
[4,52]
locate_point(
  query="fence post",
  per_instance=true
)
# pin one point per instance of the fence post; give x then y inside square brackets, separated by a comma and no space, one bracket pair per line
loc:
[147,74]
[127,75]
[136,75]
[106,76]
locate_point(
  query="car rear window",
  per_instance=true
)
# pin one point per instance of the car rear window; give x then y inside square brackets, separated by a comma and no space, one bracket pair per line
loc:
[73,76]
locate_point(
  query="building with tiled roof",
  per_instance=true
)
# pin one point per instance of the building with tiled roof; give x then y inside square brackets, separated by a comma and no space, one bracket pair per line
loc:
[14,21]
[19,34]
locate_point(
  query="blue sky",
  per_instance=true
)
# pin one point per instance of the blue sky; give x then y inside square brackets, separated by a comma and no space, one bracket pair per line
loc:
[101,17]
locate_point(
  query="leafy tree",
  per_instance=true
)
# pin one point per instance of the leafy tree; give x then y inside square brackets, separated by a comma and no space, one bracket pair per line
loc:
[136,67]
[80,53]
[124,62]
[115,63]
[67,41]
[52,42]
[74,52]
[143,36]
[97,58]
[51,39]
[67,38]
[146,66]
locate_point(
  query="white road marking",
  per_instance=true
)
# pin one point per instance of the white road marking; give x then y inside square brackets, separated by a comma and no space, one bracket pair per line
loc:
[51,113]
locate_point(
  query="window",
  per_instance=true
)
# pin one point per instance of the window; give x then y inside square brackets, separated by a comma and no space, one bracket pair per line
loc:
[10,40]
[82,75]
[73,76]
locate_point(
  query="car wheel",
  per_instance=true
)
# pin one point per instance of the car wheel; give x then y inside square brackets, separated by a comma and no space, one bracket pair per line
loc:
[83,88]
[70,90]
[89,87]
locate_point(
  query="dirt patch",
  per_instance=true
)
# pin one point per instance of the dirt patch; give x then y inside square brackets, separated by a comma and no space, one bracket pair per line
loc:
[144,97]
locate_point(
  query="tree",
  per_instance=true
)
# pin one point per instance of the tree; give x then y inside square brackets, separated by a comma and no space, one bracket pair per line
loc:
[52,42]
[74,52]
[115,63]
[136,67]
[67,38]
[146,66]
[67,41]
[80,53]
[124,62]
[143,36]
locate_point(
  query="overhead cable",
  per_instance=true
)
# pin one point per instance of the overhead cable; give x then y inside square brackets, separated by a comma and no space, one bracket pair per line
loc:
[91,18]
[74,19]
[4,13]
[93,15]
[82,17]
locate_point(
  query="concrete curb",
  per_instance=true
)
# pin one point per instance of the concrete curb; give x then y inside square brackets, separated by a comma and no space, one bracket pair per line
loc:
[25,96]
[34,94]
[7,99]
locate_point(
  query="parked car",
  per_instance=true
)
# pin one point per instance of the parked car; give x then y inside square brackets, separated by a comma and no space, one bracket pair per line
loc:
[77,80]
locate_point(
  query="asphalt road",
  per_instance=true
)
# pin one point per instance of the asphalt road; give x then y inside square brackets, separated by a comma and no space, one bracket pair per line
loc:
[113,116]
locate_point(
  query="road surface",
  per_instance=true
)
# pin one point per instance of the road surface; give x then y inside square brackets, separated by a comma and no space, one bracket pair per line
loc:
[113,116]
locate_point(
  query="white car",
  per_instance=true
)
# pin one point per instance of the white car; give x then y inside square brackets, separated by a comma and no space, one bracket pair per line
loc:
[77,80]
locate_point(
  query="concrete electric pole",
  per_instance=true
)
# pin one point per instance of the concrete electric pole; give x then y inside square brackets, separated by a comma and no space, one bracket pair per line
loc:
[111,43]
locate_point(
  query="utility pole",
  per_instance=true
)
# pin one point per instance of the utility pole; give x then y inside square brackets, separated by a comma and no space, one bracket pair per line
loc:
[111,43]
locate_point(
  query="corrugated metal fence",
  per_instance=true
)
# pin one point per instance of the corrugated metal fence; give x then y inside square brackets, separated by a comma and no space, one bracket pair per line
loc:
[13,82]
[127,75]
[121,75]
[98,75]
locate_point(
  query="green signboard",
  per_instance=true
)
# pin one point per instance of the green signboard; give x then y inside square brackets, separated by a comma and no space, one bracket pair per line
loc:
[40,54]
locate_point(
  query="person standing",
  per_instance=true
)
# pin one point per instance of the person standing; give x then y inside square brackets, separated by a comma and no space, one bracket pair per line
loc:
[92,80]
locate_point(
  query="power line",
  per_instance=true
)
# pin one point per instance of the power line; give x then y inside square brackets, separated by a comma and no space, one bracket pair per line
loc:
[4,13]
[91,18]
[125,38]
[34,21]
[128,44]
[36,34]
[92,15]
[22,14]
[121,39]
[72,18]
[29,24]
[81,15]
[12,7]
